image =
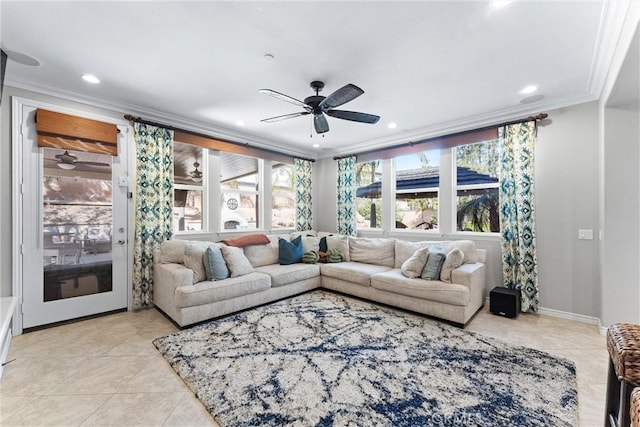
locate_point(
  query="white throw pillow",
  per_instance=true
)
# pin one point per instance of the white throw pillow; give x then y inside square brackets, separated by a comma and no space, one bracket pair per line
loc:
[237,262]
[412,267]
[455,258]
[310,243]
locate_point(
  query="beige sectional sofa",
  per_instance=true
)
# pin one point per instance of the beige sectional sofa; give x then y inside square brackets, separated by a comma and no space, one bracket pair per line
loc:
[371,269]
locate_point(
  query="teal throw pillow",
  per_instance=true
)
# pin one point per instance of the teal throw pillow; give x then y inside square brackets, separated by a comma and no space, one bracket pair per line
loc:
[214,264]
[290,252]
[433,267]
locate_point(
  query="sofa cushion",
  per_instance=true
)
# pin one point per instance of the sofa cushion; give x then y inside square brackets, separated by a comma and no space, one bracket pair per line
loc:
[238,264]
[310,243]
[433,266]
[413,266]
[295,234]
[372,251]
[431,290]
[339,242]
[194,259]
[354,272]
[454,259]
[207,291]
[290,252]
[286,274]
[172,251]
[259,255]
[214,264]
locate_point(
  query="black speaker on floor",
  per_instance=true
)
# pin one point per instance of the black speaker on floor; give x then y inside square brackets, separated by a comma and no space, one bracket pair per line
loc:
[504,301]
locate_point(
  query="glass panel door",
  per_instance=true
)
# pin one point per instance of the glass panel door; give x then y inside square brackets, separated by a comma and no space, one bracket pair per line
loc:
[74,236]
[77,224]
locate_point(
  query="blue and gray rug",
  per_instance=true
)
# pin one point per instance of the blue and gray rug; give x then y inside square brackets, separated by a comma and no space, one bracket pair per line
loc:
[322,359]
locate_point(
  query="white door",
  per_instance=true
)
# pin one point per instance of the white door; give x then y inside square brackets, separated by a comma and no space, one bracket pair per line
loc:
[74,230]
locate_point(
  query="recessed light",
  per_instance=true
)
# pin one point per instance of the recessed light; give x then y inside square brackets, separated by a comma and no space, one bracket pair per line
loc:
[392,125]
[500,3]
[90,78]
[529,89]
[241,123]
[316,145]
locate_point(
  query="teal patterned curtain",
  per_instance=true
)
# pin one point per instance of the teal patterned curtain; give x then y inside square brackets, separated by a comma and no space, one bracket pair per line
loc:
[517,217]
[154,205]
[302,173]
[347,196]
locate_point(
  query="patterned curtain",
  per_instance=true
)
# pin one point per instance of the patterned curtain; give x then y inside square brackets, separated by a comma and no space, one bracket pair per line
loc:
[517,218]
[154,205]
[302,173]
[347,196]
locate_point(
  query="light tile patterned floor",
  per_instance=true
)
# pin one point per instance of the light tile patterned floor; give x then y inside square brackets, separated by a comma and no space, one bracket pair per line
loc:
[106,372]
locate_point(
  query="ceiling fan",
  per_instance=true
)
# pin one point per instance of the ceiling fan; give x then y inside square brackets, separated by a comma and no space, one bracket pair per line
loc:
[321,105]
[69,161]
[196,175]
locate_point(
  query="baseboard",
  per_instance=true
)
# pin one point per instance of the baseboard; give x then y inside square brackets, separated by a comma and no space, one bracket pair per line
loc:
[572,316]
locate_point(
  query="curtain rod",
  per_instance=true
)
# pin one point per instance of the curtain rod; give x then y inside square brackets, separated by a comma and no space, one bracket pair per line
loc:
[133,118]
[540,116]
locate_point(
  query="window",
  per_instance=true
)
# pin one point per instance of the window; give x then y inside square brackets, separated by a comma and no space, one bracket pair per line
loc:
[189,188]
[417,183]
[240,184]
[283,196]
[369,194]
[477,187]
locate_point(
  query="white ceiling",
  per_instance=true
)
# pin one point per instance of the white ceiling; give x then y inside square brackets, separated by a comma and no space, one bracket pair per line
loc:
[431,67]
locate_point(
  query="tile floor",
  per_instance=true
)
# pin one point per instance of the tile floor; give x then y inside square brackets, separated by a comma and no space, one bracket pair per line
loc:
[106,372]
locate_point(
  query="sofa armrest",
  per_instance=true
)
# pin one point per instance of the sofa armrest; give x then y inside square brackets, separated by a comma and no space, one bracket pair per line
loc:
[171,276]
[471,275]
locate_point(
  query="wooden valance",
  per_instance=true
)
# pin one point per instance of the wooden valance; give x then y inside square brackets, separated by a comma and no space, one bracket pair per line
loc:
[58,130]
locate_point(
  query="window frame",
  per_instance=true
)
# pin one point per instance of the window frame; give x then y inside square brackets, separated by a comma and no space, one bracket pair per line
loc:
[203,187]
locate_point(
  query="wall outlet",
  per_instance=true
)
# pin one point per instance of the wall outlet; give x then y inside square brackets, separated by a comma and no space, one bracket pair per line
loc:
[585,234]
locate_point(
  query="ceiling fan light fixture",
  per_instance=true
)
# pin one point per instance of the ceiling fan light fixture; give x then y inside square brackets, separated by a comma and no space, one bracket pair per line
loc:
[66,166]
[196,175]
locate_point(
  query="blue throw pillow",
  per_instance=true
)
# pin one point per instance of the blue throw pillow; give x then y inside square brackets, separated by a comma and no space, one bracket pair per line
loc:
[433,267]
[290,252]
[323,244]
[214,264]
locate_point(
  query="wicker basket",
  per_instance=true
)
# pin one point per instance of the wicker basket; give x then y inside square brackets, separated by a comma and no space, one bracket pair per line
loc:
[635,408]
[623,343]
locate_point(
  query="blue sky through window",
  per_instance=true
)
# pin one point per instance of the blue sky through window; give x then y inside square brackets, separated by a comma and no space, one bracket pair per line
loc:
[412,161]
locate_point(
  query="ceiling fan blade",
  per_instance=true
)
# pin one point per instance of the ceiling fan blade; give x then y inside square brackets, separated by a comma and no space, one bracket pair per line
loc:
[92,164]
[284,97]
[285,117]
[320,123]
[341,96]
[354,116]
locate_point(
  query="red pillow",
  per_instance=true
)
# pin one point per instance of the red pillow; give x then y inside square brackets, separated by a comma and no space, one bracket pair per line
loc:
[248,240]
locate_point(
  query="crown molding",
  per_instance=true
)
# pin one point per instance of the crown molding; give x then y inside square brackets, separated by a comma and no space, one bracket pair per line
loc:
[162,117]
[611,24]
[465,124]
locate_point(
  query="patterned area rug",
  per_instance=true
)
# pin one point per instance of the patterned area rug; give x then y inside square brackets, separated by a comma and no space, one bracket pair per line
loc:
[322,359]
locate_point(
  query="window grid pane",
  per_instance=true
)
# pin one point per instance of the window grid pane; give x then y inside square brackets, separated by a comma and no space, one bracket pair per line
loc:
[417,181]
[368,194]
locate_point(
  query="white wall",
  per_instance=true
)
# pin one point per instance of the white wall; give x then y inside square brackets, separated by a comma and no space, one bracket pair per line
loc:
[566,200]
